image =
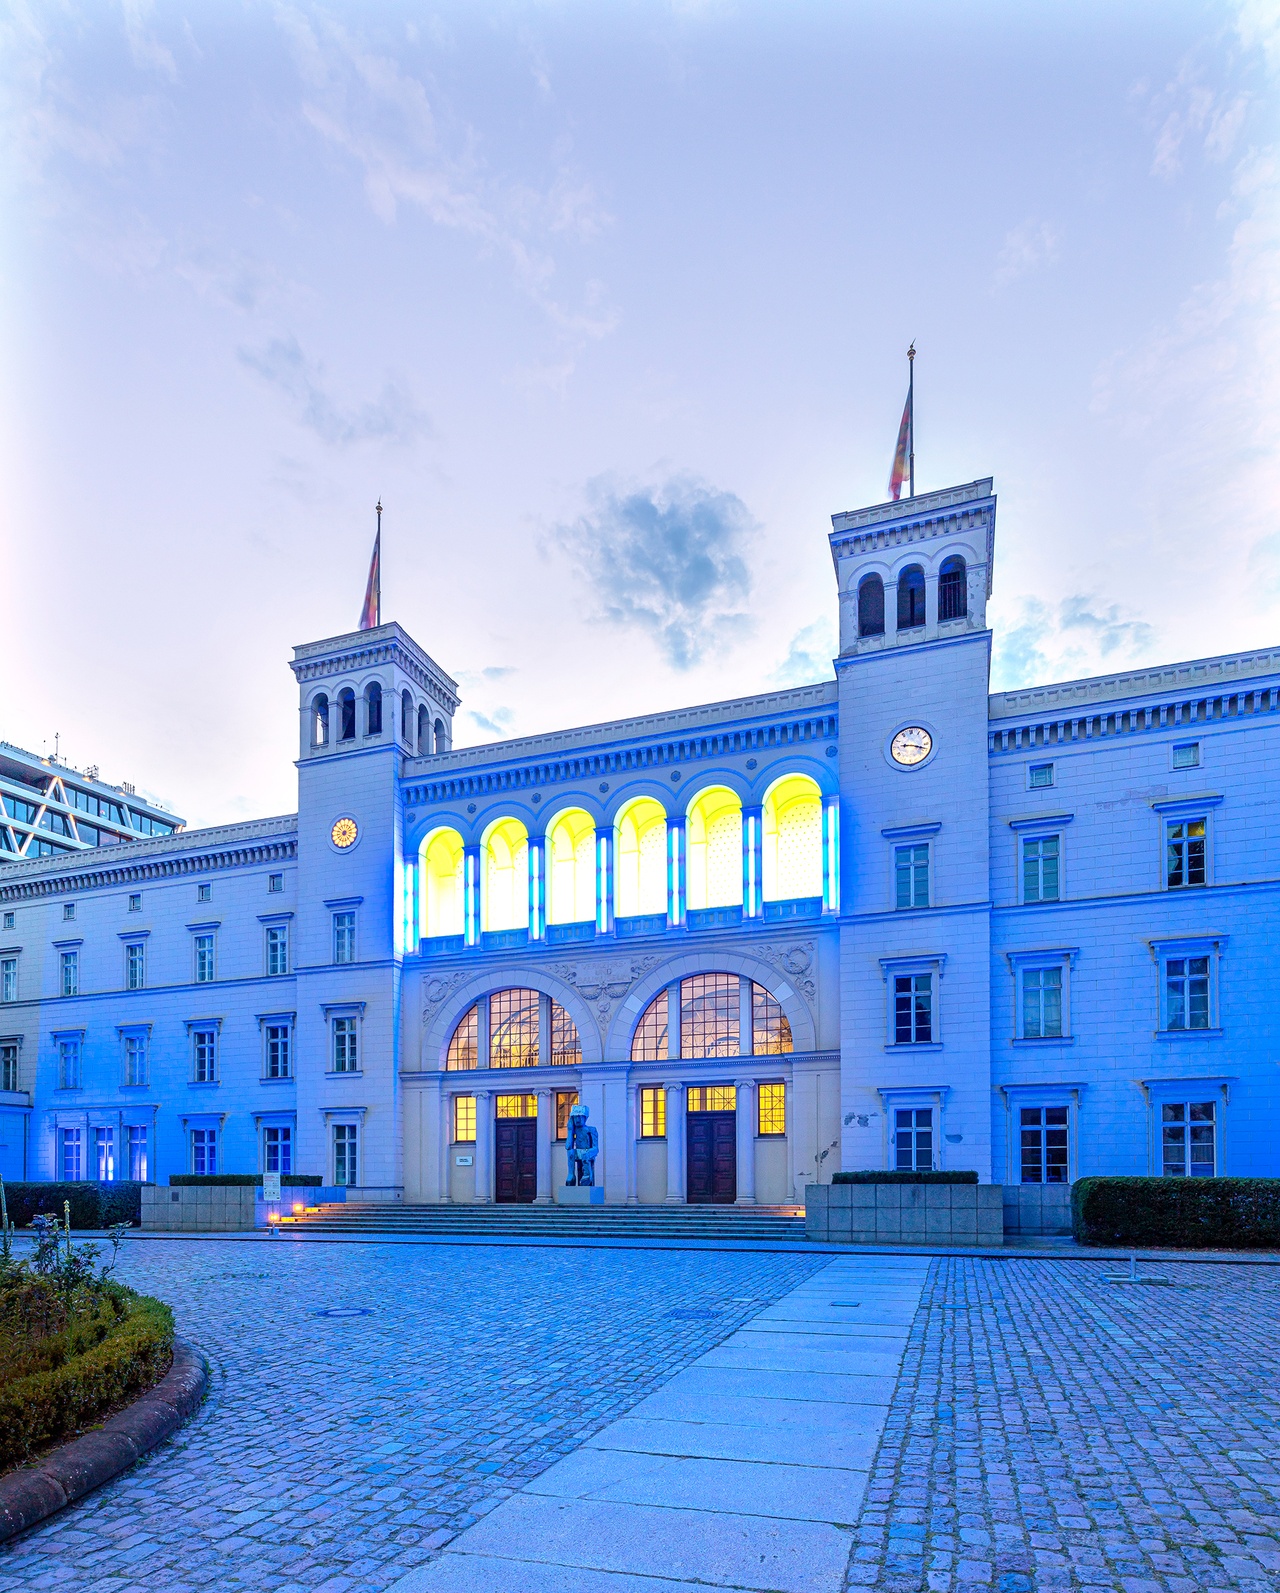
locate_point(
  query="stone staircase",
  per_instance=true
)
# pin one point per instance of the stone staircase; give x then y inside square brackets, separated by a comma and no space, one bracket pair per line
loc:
[753,1224]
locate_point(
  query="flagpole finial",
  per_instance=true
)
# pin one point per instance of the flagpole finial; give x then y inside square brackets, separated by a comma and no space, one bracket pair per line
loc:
[911,352]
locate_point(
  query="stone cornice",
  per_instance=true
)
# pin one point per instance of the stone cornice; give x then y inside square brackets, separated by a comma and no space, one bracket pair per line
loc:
[259,841]
[885,526]
[1197,677]
[387,644]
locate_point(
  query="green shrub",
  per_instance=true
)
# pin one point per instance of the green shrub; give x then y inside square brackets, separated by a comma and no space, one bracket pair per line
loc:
[1189,1213]
[243,1180]
[47,1406]
[93,1205]
[964,1177]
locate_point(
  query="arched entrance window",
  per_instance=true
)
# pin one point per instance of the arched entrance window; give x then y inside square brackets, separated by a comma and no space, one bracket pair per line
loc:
[715,849]
[640,859]
[571,868]
[910,598]
[442,893]
[504,856]
[513,1028]
[714,1008]
[791,832]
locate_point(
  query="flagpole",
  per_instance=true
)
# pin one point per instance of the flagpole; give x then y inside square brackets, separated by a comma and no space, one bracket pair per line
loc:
[911,411]
[378,594]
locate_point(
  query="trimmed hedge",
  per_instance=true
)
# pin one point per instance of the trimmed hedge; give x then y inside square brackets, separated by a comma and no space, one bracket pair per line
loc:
[48,1406]
[93,1205]
[966,1177]
[1188,1213]
[243,1180]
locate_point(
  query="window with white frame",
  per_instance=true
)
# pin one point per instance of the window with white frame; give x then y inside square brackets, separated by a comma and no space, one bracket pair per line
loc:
[1188,1139]
[104,1154]
[913,1009]
[277,1045]
[204,1151]
[913,1139]
[275,882]
[71,1154]
[8,978]
[69,1062]
[1186,755]
[135,1059]
[911,875]
[135,965]
[344,937]
[68,910]
[1187,982]
[345,1162]
[8,1064]
[135,902]
[204,893]
[277,949]
[1043,1144]
[277,1149]
[1041,868]
[1039,775]
[69,962]
[204,1056]
[203,947]
[1041,992]
[1185,852]
[9,920]
[345,1049]
[137,1153]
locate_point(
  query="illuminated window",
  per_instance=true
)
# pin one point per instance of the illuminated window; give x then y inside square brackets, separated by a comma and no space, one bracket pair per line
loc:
[505,858]
[770,1031]
[715,850]
[517,1106]
[653,1112]
[442,897]
[566,1045]
[649,1043]
[513,1029]
[464,1119]
[571,868]
[1184,842]
[640,859]
[710,1015]
[566,1100]
[464,1047]
[771,1110]
[791,832]
[713,1098]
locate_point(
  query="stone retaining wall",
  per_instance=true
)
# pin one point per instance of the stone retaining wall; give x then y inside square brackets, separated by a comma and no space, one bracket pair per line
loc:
[905,1214]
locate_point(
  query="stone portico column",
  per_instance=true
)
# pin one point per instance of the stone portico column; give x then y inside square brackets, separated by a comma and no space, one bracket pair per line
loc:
[444,1141]
[633,1129]
[546,1111]
[745,1095]
[484,1147]
[675,1144]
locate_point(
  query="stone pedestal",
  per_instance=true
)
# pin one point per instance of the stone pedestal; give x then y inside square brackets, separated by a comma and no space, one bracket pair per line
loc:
[579,1195]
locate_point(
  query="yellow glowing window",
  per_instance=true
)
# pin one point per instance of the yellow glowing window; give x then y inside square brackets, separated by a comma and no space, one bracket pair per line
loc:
[517,1106]
[715,850]
[640,859]
[505,859]
[442,894]
[649,1043]
[571,868]
[710,1019]
[770,1031]
[462,1054]
[565,1101]
[791,840]
[513,1029]
[653,1112]
[464,1119]
[566,1045]
[712,1098]
[771,1109]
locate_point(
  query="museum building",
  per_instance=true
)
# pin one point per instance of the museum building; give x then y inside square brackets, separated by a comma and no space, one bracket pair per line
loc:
[890,919]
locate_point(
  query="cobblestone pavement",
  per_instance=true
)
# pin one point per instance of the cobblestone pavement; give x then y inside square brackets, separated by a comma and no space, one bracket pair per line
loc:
[1051,1430]
[336,1453]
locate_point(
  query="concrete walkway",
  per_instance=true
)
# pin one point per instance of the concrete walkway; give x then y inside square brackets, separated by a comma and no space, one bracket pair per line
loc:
[745,1471]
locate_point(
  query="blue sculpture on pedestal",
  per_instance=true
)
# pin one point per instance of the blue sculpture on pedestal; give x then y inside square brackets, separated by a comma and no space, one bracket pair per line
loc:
[582,1146]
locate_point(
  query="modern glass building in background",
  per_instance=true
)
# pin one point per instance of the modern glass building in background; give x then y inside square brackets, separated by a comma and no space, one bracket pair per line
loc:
[48,809]
[890,919]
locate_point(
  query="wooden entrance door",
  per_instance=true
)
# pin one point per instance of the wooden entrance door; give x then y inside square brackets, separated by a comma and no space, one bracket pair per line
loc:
[712,1162]
[515,1159]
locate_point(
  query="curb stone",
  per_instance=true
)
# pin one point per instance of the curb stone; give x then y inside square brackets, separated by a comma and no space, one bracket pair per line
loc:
[34,1493]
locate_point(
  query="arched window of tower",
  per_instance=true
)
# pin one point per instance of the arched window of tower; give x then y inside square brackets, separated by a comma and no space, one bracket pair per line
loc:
[406,718]
[320,721]
[424,731]
[953,595]
[373,708]
[442,736]
[911,598]
[346,714]
[871,606]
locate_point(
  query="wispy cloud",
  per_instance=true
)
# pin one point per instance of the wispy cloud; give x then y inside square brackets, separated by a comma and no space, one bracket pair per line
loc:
[497,724]
[669,559]
[809,656]
[1026,246]
[393,417]
[146,49]
[1187,113]
[1075,637]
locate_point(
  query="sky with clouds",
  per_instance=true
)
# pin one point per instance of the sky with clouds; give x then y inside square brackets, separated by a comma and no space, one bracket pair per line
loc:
[609,303]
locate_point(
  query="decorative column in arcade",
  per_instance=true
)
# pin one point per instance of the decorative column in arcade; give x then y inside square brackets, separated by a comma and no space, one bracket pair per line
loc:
[745,1094]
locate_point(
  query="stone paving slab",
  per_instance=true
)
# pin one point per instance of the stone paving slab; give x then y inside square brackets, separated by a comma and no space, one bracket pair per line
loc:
[840,1443]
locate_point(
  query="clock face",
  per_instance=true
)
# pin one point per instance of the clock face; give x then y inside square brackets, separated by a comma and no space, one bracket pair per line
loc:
[910,746]
[344,833]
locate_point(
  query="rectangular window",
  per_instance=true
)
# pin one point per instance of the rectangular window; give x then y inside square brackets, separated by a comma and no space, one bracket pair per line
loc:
[204,1151]
[913,1009]
[135,1059]
[204,1056]
[911,875]
[1187,1133]
[69,1064]
[70,961]
[278,949]
[345,1058]
[771,1112]
[138,1155]
[1186,984]
[275,882]
[1184,853]
[277,1150]
[770,1030]
[464,1119]
[913,1140]
[1187,756]
[135,966]
[1044,1145]
[8,978]
[104,1154]
[204,959]
[566,1100]
[277,1057]
[712,1098]
[1042,1003]
[710,1015]
[204,893]
[516,1106]
[1039,776]
[9,920]
[345,1167]
[344,937]
[653,1112]
[8,1064]
[1041,875]
[135,902]
[68,910]
[72,1151]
